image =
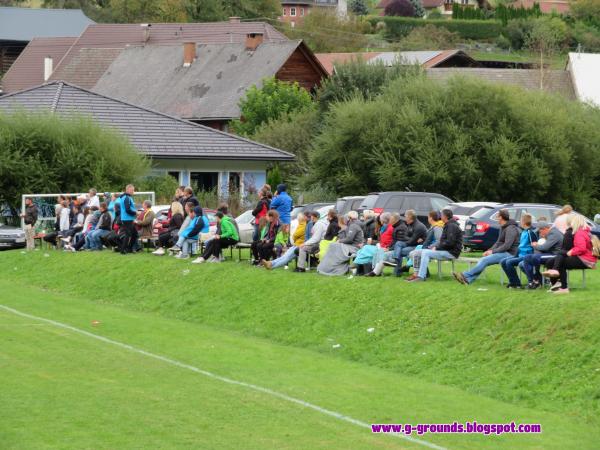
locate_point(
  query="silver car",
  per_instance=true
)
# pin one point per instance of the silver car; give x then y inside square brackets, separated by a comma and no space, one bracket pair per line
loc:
[11,237]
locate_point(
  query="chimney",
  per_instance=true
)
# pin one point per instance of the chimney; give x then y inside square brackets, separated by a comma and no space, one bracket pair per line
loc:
[235,19]
[189,53]
[48,63]
[253,40]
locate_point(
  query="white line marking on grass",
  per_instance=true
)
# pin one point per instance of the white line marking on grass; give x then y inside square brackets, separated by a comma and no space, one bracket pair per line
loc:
[254,387]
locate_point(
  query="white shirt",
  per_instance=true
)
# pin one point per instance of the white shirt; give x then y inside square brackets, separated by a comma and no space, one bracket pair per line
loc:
[64,219]
[93,201]
[317,232]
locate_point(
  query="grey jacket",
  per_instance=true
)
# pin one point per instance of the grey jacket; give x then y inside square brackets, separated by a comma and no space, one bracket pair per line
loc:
[352,234]
[553,242]
[508,241]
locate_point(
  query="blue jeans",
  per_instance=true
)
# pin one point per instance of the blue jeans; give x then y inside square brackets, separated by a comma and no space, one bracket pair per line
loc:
[427,255]
[94,237]
[184,244]
[399,255]
[284,259]
[494,258]
[531,265]
[509,266]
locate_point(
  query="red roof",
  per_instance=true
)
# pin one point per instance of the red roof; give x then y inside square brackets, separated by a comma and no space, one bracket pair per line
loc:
[546,6]
[28,68]
[432,3]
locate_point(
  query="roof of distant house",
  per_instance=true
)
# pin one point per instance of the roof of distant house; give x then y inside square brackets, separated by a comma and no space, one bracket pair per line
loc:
[28,69]
[555,81]
[24,24]
[432,3]
[546,6]
[426,59]
[154,134]
[210,88]
[585,72]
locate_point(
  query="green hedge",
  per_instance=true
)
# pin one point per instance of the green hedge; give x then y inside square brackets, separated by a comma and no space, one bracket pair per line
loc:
[398,27]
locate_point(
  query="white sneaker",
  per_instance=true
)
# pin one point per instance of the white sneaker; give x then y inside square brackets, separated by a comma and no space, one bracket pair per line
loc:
[182,256]
[174,249]
[66,240]
[198,260]
[159,252]
[221,258]
[555,287]
[213,259]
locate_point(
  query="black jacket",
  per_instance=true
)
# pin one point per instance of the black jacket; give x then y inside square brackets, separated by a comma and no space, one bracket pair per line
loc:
[175,222]
[369,229]
[262,205]
[31,215]
[568,241]
[508,241]
[105,221]
[400,232]
[416,231]
[451,239]
[333,229]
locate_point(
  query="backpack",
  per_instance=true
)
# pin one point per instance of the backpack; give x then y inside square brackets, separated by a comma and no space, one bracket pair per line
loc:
[595,246]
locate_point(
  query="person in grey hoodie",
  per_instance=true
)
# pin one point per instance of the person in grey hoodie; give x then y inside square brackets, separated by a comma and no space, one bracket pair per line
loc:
[546,248]
[506,246]
[350,239]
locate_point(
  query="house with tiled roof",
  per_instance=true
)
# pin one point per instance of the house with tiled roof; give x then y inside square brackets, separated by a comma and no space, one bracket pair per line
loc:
[194,154]
[293,12]
[441,6]
[205,83]
[20,26]
[100,44]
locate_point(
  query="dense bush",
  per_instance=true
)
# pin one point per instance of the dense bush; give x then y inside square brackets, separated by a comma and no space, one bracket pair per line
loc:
[427,38]
[362,80]
[467,139]
[46,153]
[399,27]
[358,7]
[274,99]
[402,8]
[163,187]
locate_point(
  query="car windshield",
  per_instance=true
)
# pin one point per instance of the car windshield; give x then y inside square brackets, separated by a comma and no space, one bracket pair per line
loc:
[462,210]
[297,210]
[339,205]
[482,212]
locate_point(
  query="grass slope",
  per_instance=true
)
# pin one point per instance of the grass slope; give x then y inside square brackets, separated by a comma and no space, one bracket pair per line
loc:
[64,390]
[526,348]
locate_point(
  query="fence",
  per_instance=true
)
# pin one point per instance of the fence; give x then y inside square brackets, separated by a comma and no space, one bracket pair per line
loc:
[46,204]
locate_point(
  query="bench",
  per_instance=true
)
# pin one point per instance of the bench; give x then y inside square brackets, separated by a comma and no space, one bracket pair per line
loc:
[239,247]
[145,242]
[39,237]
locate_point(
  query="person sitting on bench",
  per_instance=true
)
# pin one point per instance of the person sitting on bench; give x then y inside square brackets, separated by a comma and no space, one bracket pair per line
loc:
[546,248]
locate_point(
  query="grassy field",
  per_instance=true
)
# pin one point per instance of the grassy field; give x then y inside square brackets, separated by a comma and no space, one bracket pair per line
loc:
[439,352]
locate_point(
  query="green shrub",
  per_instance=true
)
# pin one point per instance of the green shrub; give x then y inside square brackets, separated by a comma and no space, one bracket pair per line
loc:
[399,27]
[427,38]
[163,187]
[503,42]
[46,153]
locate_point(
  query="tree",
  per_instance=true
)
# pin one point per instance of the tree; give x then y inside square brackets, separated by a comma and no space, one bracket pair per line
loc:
[402,8]
[586,9]
[46,153]
[274,99]
[428,37]
[358,7]
[205,10]
[323,31]
[466,139]
[547,35]
[360,79]
[418,6]
[294,133]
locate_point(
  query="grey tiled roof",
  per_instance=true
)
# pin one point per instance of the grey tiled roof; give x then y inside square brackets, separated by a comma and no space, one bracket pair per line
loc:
[211,88]
[23,24]
[555,81]
[154,134]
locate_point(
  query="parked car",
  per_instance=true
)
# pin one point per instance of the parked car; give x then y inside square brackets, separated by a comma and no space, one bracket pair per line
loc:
[463,210]
[297,210]
[245,223]
[11,237]
[399,202]
[321,208]
[482,228]
[346,204]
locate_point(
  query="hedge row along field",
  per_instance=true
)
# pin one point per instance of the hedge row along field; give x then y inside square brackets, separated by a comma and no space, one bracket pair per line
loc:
[399,27]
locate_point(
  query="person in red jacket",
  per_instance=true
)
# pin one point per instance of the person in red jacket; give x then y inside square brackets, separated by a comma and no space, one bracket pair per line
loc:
[580,256]
[262,207]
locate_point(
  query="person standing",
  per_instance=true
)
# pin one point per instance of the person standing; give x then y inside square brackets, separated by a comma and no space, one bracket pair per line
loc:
[30,217]
[92,198]
[128,216]
[282,203]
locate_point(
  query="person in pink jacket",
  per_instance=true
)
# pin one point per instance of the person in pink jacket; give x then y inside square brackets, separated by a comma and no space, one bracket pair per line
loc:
[580,256]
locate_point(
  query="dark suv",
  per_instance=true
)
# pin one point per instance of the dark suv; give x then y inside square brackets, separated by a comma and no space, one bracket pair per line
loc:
[421,202]
[346,204]
[482,228]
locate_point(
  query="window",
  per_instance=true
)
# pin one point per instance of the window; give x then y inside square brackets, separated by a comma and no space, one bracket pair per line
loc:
[174,174]
[512,212]
[394,203]
[546,214]
[293,11]
[437,204]
[204,181]
[284,12]
[301,12]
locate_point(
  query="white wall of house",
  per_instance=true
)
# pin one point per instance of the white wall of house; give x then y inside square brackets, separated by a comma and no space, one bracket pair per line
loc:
[251,174]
